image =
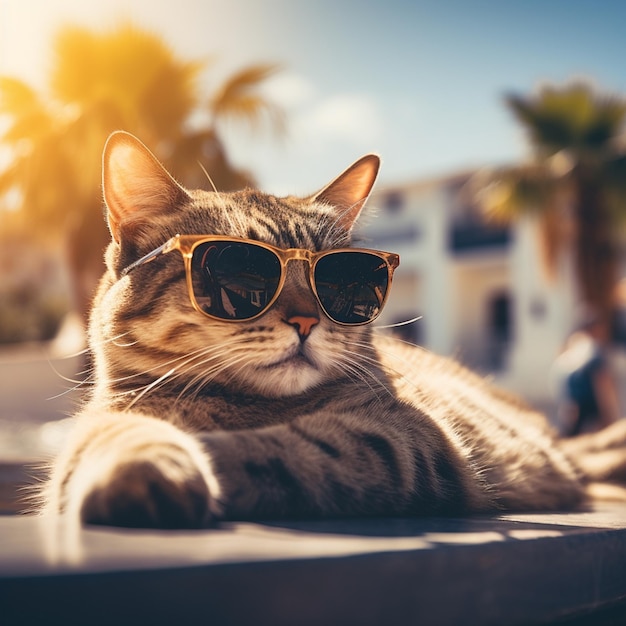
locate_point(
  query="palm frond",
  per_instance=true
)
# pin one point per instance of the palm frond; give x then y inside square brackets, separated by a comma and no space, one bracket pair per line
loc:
[572,117]
[16,96]
[239,98]
[128,71]
[508,192]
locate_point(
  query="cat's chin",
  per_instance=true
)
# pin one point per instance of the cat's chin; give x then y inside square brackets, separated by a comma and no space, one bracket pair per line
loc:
[287,377]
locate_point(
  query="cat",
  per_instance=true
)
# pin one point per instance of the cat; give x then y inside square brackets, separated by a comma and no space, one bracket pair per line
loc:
[296,412]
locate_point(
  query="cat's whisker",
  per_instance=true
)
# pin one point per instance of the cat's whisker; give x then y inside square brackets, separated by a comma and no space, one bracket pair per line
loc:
[185,364]
[130,344]
[207,376]
[397,372]
[236,223]
[89,379]
[88,373]
[335,227]
[208,176]
[183,357]
[74,355]
[200,380]
[77,385]
[204,377]
[360,368]
[232,373]
[149,387]
[168,377]
[359,373]
[399,324]
[400,370]
[77,382]
[94,345]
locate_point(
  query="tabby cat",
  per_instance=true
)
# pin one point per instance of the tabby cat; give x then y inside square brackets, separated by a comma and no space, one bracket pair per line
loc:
[236,376]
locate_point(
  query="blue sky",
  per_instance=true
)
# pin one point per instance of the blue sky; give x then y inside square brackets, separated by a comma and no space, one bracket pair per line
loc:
[420,82]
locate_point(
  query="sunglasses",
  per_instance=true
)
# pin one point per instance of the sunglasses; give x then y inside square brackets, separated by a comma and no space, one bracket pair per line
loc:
[235,279]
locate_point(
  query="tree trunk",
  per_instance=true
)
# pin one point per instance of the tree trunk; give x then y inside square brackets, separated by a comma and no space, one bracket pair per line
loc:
[597,254]
[85,243]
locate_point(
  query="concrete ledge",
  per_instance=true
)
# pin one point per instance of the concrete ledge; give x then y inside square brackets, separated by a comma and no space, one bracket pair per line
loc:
[514,569]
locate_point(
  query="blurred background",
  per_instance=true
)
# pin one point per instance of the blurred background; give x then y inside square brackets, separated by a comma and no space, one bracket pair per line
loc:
[500,124]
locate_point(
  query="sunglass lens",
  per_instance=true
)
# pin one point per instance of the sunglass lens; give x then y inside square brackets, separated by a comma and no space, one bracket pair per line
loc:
[352,286]
[234,280]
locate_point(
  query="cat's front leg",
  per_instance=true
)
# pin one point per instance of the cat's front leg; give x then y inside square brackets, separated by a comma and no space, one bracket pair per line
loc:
[136,471]
[342,464]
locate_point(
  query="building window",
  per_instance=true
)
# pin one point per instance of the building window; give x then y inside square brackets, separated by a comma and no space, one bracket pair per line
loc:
[469,229]
[500,329]
[393,202]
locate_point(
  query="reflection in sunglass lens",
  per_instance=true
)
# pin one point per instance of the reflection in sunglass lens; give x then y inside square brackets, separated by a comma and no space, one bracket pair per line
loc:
[351,286]
[234,280]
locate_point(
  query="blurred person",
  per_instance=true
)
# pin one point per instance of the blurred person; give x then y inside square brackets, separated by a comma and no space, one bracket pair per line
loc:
[589,400]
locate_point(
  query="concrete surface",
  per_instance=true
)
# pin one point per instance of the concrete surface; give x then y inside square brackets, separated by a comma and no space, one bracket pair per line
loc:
[513,569]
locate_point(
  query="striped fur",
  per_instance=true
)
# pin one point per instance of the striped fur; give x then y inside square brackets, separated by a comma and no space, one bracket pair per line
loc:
[192,420]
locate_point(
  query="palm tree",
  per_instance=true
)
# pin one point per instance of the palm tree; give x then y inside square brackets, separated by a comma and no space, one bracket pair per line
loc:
[237,101]
[575,183]
[128,79]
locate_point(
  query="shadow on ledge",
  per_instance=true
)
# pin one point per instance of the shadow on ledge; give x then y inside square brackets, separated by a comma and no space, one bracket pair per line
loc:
[513,569]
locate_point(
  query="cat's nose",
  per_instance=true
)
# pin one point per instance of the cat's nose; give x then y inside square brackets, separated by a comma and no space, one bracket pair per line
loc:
[303,324]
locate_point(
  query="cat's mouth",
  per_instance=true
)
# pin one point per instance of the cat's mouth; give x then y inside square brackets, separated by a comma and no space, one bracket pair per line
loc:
[295,358]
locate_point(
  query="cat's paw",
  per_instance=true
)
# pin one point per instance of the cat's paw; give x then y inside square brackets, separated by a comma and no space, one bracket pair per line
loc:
[165,491]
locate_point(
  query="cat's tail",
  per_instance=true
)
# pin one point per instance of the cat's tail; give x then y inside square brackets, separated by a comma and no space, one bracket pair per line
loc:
[601,458]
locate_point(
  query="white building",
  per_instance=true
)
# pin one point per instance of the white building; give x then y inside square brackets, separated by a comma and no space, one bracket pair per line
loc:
[480,288]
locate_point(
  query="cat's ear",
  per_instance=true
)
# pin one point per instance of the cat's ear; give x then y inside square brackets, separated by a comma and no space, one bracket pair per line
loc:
[350,190]
[136,186]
